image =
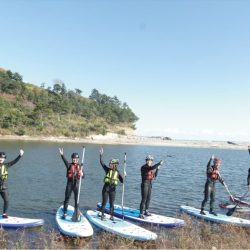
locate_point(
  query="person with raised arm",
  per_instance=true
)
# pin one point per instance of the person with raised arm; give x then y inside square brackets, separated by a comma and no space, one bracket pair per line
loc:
[111,180]
[4,166]
[73,175]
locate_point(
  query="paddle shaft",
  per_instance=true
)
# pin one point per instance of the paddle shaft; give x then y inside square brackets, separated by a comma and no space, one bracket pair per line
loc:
[225,185]
[80,181]
[123,184]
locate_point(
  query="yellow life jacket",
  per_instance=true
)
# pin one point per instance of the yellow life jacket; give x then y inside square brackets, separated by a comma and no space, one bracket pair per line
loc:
[3,173]
[112,177]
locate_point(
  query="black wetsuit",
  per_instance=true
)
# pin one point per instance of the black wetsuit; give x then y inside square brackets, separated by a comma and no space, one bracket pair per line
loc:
[4,184]
[248,178]
[108,190]
[146,186]
[72,185]
[210,187]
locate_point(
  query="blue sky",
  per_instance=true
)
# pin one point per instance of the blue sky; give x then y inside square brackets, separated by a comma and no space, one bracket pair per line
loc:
[182,66]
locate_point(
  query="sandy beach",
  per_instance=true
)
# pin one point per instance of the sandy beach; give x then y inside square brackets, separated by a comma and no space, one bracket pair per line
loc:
[111,138]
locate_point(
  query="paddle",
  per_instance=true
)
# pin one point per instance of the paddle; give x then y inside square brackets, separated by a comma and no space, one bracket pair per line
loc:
[231,210]
[225,185]
[76,215]
[249,149]
[123,185]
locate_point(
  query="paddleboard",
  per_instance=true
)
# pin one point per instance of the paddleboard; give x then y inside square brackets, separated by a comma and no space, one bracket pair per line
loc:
[75,229]
[220,218]
[153,219]
[120,227]
[16,222]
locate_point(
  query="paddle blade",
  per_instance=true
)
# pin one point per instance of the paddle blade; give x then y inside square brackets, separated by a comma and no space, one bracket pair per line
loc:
[231,211]
[76,215]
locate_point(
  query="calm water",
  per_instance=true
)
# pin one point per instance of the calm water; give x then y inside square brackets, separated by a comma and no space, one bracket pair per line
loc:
[37,182]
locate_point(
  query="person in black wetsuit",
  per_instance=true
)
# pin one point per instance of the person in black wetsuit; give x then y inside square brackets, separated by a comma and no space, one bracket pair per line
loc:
[212,176]
[3,179]
[110,182]
[148,172]
[74,174]
[248,179]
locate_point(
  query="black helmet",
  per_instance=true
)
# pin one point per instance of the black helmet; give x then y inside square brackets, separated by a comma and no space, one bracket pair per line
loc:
[75,155]
[2,155]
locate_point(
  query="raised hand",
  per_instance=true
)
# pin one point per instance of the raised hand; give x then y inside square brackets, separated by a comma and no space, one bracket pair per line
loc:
[61,151]
[101,151]
[21,152]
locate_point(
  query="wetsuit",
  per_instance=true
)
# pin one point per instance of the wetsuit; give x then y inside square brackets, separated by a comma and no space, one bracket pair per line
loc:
[72,182]
[4,184]
[109,189]
[147,175]
[210,186]
[248,178]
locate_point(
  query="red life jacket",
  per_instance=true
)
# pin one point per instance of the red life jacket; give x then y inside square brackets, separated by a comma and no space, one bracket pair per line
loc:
[74,171]
[214,174]
[150,175]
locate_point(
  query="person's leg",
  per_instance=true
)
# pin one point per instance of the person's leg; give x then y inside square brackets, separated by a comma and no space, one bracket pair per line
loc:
[68,191]
[212,199]
[148,198]
[5,196]
[206,195]
[76,190]
[105,195]
[112,194]
[144,193]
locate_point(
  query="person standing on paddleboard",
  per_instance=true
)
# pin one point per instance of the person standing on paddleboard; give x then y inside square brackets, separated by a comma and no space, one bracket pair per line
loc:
[3,179]
[248,179]
[110,182]
[213,175]
[74,174]
[148,172]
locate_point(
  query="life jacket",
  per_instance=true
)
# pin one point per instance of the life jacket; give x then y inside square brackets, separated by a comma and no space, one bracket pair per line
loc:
[74,171]
[150,175]
[214,175]
[112,177]
[3,173]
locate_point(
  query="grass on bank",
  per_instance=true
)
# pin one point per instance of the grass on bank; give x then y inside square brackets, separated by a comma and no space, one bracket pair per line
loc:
[195,235]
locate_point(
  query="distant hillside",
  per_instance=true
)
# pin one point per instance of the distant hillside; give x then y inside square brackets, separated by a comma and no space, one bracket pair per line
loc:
[26,109]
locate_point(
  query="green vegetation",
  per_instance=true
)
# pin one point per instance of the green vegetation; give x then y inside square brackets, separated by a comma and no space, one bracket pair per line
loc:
[26,109]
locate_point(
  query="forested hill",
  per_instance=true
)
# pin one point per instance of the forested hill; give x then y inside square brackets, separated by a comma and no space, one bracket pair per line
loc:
[26,109]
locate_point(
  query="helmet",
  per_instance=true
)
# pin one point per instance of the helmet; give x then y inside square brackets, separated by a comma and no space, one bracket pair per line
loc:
[75,155]
[217,160]
[149,158]
[114,161]
[2,155]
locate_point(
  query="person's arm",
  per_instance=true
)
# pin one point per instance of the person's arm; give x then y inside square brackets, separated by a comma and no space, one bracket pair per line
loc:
[11,163]
[209,165]
[63,157]
[120,177]
[101,161]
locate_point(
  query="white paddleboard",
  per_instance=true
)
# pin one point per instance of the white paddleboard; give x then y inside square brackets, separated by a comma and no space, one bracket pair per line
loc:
[16,222]
[220,218]
[75,229]
[120,227]
[154,219]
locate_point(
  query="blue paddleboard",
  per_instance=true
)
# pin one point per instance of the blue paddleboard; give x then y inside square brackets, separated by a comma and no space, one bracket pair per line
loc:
[153,219]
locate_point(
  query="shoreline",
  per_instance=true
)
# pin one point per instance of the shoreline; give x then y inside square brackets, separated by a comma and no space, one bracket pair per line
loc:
[116,139]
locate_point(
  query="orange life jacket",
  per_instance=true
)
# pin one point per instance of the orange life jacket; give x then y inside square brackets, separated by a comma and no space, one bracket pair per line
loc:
[74,171]
[214,174]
